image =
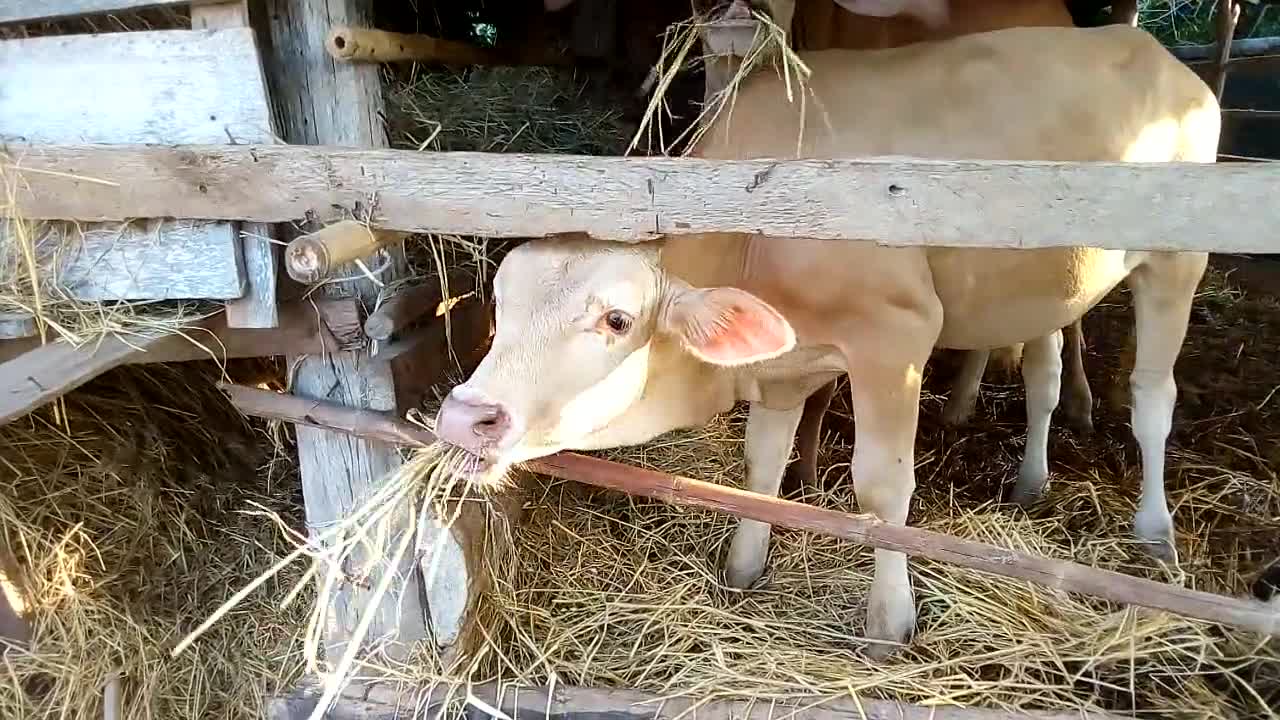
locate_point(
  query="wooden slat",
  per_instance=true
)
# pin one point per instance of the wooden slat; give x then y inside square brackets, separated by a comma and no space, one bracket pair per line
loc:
[1250,47]
[319,101]
[521,702]
[148,260]
[16,325]
[24,11]
[161,86]
[890,201]
[172,86]
[257,309]
[32,374]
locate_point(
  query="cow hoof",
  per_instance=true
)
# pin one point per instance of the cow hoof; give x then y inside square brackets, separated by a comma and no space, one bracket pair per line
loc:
[1030,487]
[891,620]
[1079,420]
[1156,534]
[741,578]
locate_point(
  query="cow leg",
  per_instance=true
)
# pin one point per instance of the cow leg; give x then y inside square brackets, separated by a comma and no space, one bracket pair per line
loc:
[1042,378]
[804,471]
[963,398]
[769,437]
[1077,401]
[1163,289]
[885,363]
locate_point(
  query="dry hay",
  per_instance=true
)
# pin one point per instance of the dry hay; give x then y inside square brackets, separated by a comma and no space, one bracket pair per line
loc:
[614,591]
[132,517]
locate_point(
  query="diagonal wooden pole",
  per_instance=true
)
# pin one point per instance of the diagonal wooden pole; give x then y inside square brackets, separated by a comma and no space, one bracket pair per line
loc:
[864,529]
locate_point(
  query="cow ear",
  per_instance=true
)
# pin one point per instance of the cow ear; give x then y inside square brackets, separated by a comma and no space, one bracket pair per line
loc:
[933,13]
[727,326]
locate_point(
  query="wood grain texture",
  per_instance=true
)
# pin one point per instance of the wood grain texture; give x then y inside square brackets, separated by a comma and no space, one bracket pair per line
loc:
[864,529]
[257,309]
[16,325]
[32,374]
[320,101]
[1156,206]
[182,86]
[155,259]
[521,702]
[21,11]
[166,86]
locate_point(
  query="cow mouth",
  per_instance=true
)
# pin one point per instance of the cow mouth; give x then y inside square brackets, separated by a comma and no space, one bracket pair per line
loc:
[475,468]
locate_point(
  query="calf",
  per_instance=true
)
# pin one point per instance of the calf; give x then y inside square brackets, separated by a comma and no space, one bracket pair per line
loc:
[603,344]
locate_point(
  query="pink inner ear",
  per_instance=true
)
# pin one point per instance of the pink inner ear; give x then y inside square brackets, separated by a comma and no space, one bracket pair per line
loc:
[740,334]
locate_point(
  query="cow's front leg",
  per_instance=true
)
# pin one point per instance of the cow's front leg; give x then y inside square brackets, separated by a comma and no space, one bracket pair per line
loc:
[885,370]
[769,437]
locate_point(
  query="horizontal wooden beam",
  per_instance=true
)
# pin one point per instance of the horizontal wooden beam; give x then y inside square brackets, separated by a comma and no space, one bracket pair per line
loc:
[34,374]
[863,529]
[892,201]
[521,702]
[1249,47]
[25,11]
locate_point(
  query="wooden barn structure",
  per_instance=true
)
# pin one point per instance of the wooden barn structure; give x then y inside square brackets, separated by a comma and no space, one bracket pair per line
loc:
[249,158]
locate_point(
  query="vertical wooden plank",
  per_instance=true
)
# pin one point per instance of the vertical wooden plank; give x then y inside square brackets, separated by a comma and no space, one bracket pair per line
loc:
[320,102]
[258,307]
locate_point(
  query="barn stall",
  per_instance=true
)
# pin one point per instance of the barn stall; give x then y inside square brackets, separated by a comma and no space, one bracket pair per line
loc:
[560,598]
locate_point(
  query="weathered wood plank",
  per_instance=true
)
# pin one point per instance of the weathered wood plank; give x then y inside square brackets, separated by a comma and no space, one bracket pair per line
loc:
[1157,206]
[521,702]
[16,325]
[319,101]
[257,309]
[153,259]
[183,86]
[35,374]
[24,11]
[165,86]
[1249,47]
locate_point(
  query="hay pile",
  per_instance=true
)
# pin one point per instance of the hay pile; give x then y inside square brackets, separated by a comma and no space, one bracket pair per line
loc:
[615,591]
[132,518]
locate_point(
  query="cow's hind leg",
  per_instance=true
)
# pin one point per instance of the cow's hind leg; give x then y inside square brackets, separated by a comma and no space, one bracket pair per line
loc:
[804,471]
[768,447]
[1163,288]
[1042,377]
[886,358]
[1077,398]
[963,398]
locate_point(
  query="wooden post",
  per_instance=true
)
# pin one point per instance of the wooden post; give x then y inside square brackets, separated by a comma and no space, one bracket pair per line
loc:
[257,309]
[1228,16]
[323,102]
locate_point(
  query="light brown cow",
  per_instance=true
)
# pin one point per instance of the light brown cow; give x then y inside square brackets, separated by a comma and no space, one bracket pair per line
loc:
[872,24]
[603,344]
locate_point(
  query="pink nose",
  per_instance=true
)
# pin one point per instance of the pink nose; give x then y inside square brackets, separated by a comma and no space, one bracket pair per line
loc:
[476,427]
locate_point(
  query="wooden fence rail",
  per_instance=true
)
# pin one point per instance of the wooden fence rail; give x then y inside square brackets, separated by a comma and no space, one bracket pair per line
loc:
[1228,207]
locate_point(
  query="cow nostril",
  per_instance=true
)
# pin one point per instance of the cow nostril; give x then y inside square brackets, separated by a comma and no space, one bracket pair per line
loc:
[491,424]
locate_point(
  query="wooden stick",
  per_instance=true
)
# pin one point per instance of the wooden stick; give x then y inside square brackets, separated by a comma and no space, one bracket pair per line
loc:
[389,701]
[1244,48]
[1228,16]
[43,373]
[863,529]
[358,44]
[406,306]
[312,258]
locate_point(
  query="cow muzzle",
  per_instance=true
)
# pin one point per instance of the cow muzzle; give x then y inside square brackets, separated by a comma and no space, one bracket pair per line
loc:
[481,428]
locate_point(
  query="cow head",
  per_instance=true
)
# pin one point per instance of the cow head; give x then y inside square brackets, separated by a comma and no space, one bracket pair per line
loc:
[596,346]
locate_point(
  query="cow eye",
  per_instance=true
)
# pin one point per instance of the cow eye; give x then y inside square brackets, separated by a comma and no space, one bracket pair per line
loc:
[618,322]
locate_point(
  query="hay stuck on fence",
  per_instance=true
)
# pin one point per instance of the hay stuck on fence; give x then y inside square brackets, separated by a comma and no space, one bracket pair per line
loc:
[131,518]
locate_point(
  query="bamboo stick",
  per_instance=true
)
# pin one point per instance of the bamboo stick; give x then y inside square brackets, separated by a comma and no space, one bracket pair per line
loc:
[864,529]
[357,44]
[312,258]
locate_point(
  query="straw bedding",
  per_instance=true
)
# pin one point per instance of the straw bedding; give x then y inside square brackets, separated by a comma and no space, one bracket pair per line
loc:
[132,517]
